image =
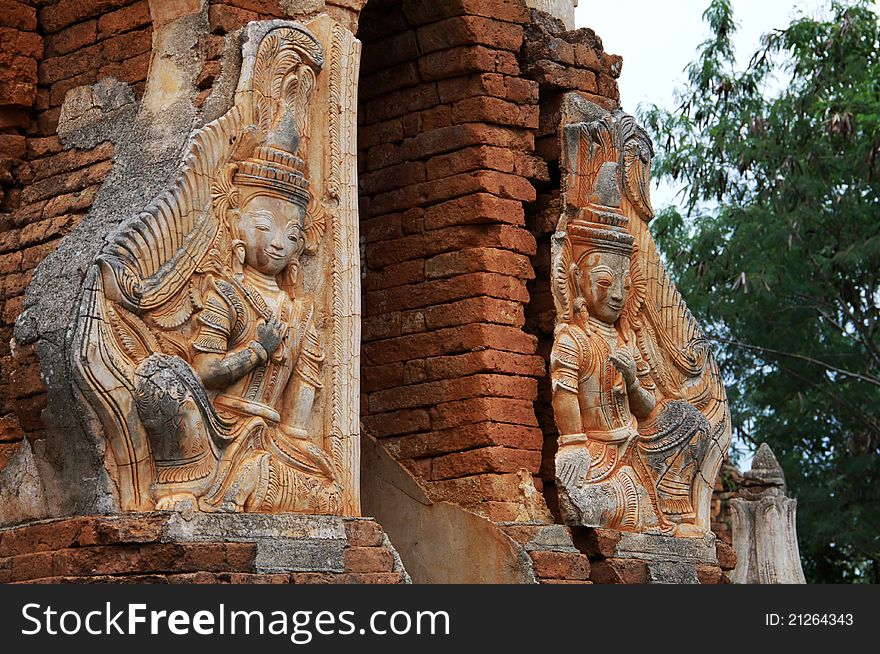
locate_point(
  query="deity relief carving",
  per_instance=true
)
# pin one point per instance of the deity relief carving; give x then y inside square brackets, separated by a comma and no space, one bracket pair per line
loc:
[209,331]
[638,400]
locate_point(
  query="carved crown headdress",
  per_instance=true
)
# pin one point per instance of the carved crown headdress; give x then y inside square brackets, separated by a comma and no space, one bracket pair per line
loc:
[256,143]
[601,225]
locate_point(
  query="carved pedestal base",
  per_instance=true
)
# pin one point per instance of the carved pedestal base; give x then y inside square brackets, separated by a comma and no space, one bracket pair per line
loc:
[172,547]
[620,557]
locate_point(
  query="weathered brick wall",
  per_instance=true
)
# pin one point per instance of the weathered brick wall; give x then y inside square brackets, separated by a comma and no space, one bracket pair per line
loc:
[21,47]
[61,45]
[132,549]
[446,136]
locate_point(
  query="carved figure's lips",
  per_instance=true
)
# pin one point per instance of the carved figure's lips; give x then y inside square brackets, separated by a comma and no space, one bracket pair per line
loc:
[273,255]
[615,307]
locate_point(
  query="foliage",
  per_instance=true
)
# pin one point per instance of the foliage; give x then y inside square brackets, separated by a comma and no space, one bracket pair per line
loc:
[777,252]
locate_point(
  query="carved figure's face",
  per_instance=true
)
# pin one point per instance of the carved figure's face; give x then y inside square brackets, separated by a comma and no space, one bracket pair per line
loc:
[604,283]
[271,229]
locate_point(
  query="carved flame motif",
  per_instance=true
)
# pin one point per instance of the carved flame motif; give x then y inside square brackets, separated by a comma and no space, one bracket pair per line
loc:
[637,395]
[196,348]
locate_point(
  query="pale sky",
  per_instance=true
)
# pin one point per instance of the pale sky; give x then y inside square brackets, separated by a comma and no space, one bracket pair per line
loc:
[659,39]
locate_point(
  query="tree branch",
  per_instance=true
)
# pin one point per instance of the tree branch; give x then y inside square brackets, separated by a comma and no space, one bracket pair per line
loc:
[817,362]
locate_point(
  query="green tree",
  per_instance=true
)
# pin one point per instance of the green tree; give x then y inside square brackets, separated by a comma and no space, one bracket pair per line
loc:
[777,251]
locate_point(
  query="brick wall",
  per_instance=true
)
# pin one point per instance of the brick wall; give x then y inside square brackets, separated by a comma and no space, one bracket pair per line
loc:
[446,136]
[21,47]
[132,549]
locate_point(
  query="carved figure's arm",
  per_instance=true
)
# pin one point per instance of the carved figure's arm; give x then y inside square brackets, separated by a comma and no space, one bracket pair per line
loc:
[218,371]
[566,360]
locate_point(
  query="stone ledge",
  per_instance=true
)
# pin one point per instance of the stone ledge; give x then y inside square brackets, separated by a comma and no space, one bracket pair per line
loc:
[170,547]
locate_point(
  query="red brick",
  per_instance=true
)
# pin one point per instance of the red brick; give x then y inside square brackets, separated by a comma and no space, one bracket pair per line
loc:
[495,110]
[481,409]
[12,146]
[71,39]
[369,578]
[73,202]
[223,18]
[386,80]
[511,88]
[70,160]
[19,94]
[131,70]
[63,13]
[406,272]
[67,182]
[560,565]
[488,360]
[472,158]
[25,44]
[441,291]
[368,559]
[124,20]
[421,12]
[390,51]
[449,139]
[364,533]
[398,422]
[483,434]
[470,30]
[607,87]
[10,432]
[126,46]
[472,310]
[430,393]
[586,56]
[619,571]
[399,103]
[449,341]
[477,207]
[451,239]
[483,460]
[709,574]
[314,578]
[18,15]
[726,555]
[551,75]
[494,182]
[463,60]
[58,68]
[404,174]
[472,491]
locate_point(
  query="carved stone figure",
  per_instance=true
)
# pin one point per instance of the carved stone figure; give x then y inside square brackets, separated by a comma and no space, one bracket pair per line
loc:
[201,348]
[764,526]
[641,411]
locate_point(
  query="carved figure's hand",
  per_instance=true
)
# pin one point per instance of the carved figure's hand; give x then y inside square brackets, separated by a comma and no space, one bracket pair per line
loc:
[270,334]
[572,465]
[624,362]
